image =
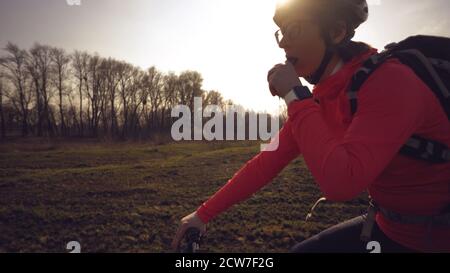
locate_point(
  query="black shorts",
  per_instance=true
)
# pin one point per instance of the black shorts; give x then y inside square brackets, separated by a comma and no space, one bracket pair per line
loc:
[345,237]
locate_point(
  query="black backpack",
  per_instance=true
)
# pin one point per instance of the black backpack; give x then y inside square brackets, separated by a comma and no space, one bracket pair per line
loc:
[429,57]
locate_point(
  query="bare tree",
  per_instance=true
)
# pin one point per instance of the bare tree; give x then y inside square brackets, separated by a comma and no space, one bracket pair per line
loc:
[72,115]
[102,94]
[125,73]
[60,63]
[170,90]
[2,115]
[190,87]
[16,73]
[32,64]
[112,75]
[152,84]
[137,98]
[42,59]
[93,83]
[80,65]
[213,98]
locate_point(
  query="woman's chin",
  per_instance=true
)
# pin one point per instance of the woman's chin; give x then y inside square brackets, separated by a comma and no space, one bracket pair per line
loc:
[301,73]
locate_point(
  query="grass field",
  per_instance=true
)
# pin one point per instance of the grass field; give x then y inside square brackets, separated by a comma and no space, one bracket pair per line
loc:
[129,197]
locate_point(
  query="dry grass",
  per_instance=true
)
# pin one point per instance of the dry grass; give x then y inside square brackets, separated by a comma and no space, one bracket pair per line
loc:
[129,197]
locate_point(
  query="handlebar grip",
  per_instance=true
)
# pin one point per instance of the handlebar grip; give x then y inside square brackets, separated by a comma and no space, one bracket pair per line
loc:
[192,240]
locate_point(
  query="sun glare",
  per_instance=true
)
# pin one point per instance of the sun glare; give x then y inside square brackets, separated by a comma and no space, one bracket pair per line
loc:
[281,2]
[247,54]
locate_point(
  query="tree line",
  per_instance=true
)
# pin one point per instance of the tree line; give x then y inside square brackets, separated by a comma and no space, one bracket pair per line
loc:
[46,91]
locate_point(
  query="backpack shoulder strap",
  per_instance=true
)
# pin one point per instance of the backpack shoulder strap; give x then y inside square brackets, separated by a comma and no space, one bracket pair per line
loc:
[413,58]
[361,75]
[416,147]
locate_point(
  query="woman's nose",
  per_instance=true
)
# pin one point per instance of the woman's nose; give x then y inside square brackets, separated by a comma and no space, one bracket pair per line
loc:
[282,43]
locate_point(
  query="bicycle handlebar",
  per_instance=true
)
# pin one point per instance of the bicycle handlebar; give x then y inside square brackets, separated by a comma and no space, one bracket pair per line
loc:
[192,240]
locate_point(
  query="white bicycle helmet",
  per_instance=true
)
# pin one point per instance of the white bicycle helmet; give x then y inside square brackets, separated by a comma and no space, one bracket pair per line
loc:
[354,12]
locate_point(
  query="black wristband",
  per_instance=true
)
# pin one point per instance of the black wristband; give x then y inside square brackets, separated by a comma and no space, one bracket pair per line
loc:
[302,92]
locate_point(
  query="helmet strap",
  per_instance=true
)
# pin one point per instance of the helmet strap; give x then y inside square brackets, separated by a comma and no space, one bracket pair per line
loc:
[317,75]
[330,49]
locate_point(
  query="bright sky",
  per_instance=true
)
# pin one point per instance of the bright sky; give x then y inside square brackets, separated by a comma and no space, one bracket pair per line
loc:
[230,42]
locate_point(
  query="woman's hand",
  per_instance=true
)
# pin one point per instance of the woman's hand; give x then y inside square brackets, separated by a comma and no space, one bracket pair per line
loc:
[282,78]
[191,220]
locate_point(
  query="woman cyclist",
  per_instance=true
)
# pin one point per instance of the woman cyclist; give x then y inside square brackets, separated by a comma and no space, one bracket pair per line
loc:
[347,154]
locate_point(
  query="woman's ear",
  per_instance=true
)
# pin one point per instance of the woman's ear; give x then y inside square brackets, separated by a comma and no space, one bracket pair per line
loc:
[338,32]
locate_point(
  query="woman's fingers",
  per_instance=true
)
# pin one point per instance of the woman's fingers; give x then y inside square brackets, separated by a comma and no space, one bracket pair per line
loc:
[191,220]
[179,235]
[272,90]
[269,76]
[272,70]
